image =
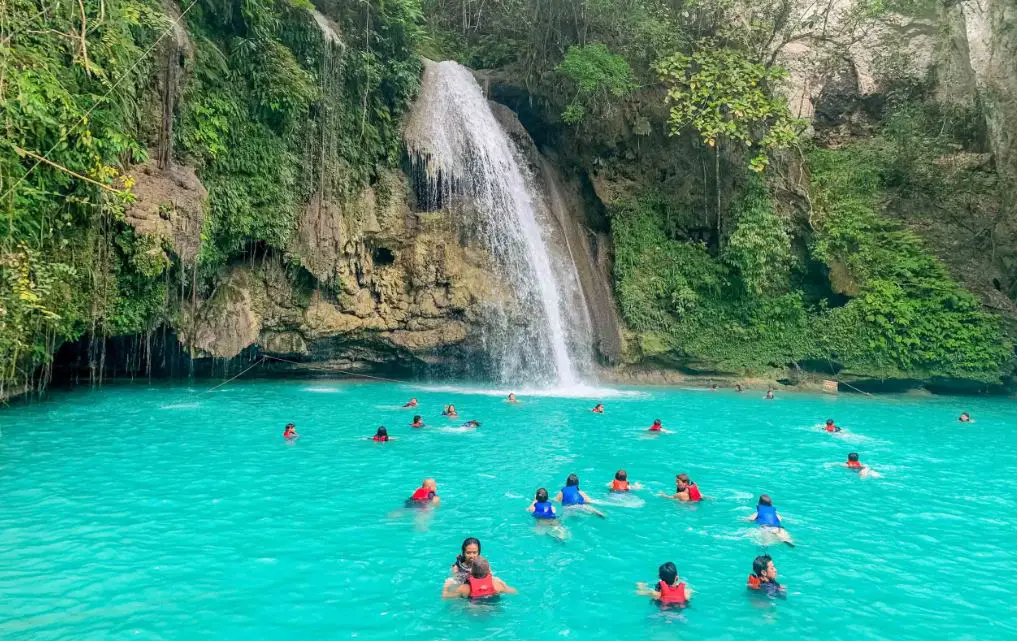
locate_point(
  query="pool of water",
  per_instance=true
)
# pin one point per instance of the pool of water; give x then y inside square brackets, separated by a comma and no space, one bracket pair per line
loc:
[164,512]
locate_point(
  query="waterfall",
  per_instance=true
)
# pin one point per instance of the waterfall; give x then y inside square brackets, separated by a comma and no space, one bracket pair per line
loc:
[468,163]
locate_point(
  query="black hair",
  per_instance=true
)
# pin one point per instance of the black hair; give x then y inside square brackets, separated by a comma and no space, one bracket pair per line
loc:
[572,480]
[541,495]
[853,456]
[684,478]
[621,475]
[289,425]
[382,431]
[471,541]
[667,573]
[764,499]
[417,418]
[760,563]
[656,420]
[829,421]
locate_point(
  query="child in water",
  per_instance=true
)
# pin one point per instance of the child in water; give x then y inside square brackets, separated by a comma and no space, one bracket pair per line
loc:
[511,398]
[290,433]
[426,494]
[768,518]
[685,490]
[764,578]
[464,562]
[621,482]
[381,436]
[541,507]
[474,423]
[480,583]
[830,426]
[668,591]
[965,418]
[572,495]
[738,387]
[418,421]
[450,411]
[769,394]
[864,471]
[658,427]
[598,408]
[410,403]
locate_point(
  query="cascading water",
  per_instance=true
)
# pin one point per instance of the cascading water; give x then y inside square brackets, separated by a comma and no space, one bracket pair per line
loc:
[464,156]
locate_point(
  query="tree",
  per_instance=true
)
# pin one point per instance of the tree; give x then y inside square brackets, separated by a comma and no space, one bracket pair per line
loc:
[598,76]
[725,96]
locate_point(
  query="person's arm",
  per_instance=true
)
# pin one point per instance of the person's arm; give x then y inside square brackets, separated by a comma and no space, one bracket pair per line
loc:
[586,497]
[688,592]
[755,515]
[644,590]
[501,587]
[557,497]
[454,591]
[531,507]
[436,500]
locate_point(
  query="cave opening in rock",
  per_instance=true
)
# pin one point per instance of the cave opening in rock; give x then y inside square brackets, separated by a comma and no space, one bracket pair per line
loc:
[382,256]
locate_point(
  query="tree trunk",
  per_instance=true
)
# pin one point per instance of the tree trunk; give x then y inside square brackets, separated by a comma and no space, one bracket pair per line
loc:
[716,175]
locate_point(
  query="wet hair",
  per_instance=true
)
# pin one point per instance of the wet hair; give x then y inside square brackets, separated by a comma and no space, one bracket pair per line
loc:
[541,495]
[467,542]
[829,421]
[656,421]
[480,568]
[290,426]
[381,431]
[853,456]
[963,414]
[621,475]
[572,480]
[667,573]
[760,563]
[764,499]
[417,418]
[684,478]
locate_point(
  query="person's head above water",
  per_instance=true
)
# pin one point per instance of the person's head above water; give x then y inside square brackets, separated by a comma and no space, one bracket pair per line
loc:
[480,568]
[656,421]
[417,418]
[290,427]
[764,499]
[512,396]
[621,475]
[471,548]
[682,479]
[668,573]
[762,567]
[964,417]
[572,480]
[381,431]
[853,457]
[430,484]
[829,421]
[541,495]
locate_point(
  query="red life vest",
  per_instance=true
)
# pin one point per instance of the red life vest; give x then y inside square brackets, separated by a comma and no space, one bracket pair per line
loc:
[620,486]
[421,494]
[694,494]
[672,594]
[656,428]
[754,583]
[831,428]
[857,465]
[289,434]
[481,588]
[380,439]
[416,425]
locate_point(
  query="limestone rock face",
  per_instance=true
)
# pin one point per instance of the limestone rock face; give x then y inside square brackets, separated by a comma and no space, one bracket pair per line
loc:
[399,289]
[169,205]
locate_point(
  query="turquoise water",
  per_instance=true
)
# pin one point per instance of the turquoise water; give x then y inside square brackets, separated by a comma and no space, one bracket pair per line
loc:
[166,513]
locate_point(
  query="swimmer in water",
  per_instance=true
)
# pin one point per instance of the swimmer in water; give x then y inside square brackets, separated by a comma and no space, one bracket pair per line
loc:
[769,394]
[621,482]
[713,387]
[571,495]
[668,591]
[830,426]
[480,584]
[410,403]
[764,578]
[965,418]
[418,421]
[864,471]
[381,436]
[474,423]
[450,411]
[464,562]
[598,408]
[658,427]
[426,494]
[541,507]
[511,398]
[738,387]
[684,490]
[290,433]
[768,518]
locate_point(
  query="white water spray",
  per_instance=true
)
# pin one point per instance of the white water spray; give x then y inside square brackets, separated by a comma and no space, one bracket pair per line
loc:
[457,143]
